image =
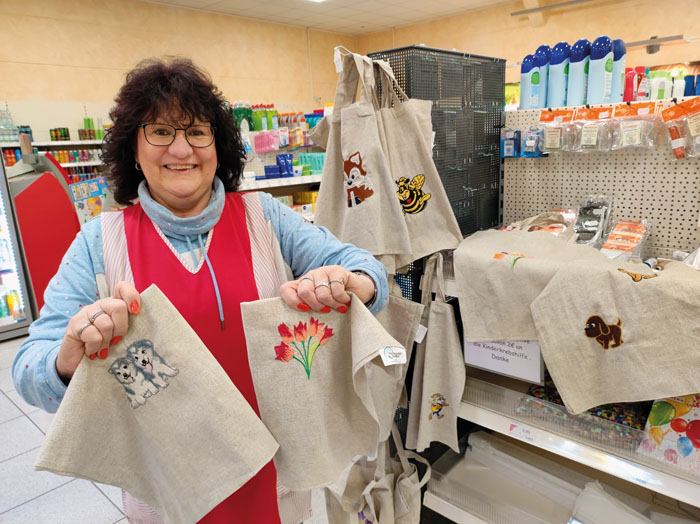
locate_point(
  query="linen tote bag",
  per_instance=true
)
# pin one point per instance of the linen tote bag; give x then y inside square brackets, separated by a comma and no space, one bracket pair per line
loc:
[159,418]
[618,332]
[405,130]
[357,201]
[439,369]
[327,386]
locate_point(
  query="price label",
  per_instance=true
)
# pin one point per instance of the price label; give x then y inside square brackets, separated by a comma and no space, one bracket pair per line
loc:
[631,133]
[519,359]
[552,138]
[523,432]
[589,135]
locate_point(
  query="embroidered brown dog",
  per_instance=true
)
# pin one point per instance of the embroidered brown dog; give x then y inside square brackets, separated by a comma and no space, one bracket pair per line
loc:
[637,277]
[604,334]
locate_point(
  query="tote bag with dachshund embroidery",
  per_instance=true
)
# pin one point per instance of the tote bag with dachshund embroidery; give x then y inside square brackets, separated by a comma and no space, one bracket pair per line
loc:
[612,332]
[405,130]
[357,201]
[327,386]
[159,418]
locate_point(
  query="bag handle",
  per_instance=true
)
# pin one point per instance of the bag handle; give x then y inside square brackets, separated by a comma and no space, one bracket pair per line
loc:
[390,86]
[433,269]
[404,456]
[356,68]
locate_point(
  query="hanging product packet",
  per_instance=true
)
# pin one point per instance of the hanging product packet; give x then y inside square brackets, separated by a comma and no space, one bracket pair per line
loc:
[327,386]
[626,239]
[559,132]
[533,140]
[357,199]
[636,125]
[593,129]
[682,122]
[405,131]
[128,420]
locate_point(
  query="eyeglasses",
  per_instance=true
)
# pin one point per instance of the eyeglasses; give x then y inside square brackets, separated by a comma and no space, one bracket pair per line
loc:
[164,134]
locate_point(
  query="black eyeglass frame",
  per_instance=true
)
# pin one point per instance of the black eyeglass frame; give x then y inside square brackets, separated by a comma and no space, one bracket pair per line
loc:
[184,129]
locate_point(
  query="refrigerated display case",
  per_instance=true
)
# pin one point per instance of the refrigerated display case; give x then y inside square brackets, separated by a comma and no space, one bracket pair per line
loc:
[15,310]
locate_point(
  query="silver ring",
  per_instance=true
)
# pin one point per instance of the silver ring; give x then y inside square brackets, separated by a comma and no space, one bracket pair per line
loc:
[338,280]
[95,315]
[324,283]
[82,328]
[308,278]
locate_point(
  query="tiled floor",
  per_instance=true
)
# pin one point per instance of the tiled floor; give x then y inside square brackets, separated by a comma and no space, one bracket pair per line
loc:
[39,497]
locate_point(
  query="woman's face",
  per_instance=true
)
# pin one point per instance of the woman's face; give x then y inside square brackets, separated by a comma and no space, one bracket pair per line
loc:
[179,176]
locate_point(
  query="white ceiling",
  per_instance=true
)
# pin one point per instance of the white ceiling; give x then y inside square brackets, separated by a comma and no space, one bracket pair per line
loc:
[342,16]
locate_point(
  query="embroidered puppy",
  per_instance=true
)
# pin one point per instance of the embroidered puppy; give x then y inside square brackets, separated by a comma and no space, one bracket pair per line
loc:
[150,362]
[357,183]
[437,403]
[136,384]
[607,335]
[413,199]
[637,277]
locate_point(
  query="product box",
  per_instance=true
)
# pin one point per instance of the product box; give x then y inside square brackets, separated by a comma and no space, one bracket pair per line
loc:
[287,200]
[87,198]
[673,432]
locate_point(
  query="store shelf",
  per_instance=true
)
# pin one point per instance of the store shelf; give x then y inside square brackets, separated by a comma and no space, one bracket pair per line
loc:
[82,164]
[595,442]
[279,182]
[56,143]
[449,510]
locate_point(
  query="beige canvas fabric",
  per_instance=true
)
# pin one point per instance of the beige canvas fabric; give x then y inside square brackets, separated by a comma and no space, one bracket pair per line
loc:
[129,425]
[619,336]
[322,388]
[500,273]
[405,130]
[439,369]
[357,200]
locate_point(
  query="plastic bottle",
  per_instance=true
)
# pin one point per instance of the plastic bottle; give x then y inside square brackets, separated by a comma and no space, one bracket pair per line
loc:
[576,94]
[642,83]
[630,94]
[659,87]
[529,83]
[542,56]
[275,118]
[689,89]
[697,85]
[558,75]
[618,74]
[678,87]
[601,71]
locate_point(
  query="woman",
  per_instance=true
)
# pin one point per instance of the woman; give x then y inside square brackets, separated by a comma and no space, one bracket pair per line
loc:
[174,147]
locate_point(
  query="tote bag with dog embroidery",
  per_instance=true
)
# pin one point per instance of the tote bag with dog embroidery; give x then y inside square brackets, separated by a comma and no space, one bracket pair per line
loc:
[327,386]
[159,418]
[357,200]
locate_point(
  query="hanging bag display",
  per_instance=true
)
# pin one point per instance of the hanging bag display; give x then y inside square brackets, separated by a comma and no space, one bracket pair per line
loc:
[135,412]
[405,131]
[439,371]
[357,199]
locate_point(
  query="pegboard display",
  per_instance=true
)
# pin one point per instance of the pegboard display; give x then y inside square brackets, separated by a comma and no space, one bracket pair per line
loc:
[468,96]
[644,183]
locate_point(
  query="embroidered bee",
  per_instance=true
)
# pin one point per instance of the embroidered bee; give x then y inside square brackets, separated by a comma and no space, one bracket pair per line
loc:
[637,277]
[413,199]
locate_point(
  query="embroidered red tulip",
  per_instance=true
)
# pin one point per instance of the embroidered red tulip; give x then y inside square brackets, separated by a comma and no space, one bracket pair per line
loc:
[516,257]
[301,342]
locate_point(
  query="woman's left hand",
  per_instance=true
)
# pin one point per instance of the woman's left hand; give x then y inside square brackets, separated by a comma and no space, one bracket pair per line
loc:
[326,288]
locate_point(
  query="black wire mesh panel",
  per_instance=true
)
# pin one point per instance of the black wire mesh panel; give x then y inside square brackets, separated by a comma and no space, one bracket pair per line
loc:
[468,96]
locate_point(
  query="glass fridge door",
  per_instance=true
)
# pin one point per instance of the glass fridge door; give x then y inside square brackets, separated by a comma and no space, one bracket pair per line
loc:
[15,310]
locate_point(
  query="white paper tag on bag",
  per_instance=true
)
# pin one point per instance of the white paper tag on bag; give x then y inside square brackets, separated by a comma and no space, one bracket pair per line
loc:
[338,60]
[392,356]
[420,333]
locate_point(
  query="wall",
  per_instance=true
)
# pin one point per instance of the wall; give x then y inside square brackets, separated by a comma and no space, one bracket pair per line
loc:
[493,32]
[62,58]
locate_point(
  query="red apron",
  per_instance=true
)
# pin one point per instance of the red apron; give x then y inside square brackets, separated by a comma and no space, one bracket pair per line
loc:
[194,297]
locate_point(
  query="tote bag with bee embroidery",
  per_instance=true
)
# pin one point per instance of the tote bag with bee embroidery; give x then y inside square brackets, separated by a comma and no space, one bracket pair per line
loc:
[405,130]
[357,199]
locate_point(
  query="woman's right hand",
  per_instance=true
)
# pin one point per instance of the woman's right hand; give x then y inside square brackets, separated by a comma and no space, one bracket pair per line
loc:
[90,332]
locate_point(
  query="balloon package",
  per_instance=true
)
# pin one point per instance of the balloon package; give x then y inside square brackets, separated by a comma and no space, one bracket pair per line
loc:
[559,132]
[533,142]
[672,432]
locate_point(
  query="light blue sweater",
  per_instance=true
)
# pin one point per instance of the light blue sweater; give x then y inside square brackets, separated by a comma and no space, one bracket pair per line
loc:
[304,247]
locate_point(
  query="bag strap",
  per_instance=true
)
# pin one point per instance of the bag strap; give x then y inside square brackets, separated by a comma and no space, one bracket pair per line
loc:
[404,456]
[433,269]
[356,68]
[390,86]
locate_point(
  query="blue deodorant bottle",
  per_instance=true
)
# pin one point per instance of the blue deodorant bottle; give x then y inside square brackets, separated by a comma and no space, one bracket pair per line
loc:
[578,73]
[558,75]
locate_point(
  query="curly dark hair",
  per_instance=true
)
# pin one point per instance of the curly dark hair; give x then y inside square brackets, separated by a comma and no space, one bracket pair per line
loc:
[159,86]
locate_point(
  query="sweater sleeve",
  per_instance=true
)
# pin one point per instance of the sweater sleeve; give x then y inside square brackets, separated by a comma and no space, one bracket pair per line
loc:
[72,287]
[305,247]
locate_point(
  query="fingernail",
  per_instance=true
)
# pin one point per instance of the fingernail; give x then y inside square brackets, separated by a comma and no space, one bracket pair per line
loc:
[325,309]
[93,356]
[303,307]
[103,353]
[115,340]
[134,308]
[343,309]
[348,303]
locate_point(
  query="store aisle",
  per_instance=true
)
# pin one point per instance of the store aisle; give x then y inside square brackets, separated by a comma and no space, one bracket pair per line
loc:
[39,496]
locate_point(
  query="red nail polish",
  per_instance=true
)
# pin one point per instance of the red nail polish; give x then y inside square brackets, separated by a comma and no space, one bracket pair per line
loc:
[343,309]
[303,307]
[348,303]
[103,353]
[115,340]
[325,309]
[134,308]
[93,356]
